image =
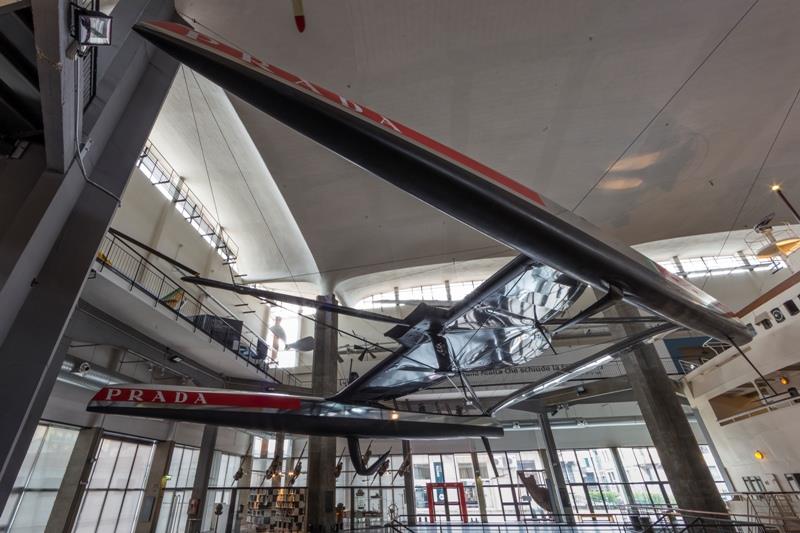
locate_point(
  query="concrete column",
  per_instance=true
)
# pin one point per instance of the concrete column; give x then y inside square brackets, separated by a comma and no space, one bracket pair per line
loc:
[558,488]
[476,467]
[153,489]
[408,485]
[686,470]
[73,484]
[321,504]
[205,459]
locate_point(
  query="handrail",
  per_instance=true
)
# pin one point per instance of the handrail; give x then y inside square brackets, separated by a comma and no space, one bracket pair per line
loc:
[672,522]
[122,259]
[755,411]
[717,517]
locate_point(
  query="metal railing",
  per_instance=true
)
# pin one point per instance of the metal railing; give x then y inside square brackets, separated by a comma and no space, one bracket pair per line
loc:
[779,510]
[117,256]
[172,186]
[657,517]
[651,520]
[773,404]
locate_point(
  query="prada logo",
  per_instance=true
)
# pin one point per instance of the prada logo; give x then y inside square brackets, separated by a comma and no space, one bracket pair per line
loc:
[153,396]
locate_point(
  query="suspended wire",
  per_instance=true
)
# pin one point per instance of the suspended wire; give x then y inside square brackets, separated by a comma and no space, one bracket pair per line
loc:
[663,107]
[760,170]
[501,252]
[200,142]
[249,189]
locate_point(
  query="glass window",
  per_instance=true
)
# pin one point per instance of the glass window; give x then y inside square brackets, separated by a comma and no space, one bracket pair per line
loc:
[178,491]
[111,501]
[38,480]
[223,468]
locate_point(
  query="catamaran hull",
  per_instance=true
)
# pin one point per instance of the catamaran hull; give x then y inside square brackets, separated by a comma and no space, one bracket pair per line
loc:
[269,412]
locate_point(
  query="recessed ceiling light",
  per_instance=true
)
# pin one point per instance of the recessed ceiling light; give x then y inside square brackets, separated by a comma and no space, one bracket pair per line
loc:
[176,358]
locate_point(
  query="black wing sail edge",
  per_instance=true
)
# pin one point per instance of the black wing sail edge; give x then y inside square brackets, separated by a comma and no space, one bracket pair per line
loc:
[580,367]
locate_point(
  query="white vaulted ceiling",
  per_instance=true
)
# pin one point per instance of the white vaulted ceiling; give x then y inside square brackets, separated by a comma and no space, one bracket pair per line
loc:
[548,92]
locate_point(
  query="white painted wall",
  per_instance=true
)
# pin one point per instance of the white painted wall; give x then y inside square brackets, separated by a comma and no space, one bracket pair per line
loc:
[149,217]
[776,433]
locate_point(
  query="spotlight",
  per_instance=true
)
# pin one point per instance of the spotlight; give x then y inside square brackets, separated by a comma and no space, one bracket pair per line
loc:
[394,416]
[784,380]
[758,454]
[90,28]
[84,368]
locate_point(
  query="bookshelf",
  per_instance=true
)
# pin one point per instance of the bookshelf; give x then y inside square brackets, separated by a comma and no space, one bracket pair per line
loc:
[277,509]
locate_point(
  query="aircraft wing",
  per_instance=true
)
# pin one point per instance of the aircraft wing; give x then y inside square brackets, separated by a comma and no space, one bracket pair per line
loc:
[465,189]
[496,326]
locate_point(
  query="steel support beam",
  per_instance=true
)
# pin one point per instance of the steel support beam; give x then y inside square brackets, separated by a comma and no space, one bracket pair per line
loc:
[626,487]
[205,459]
[408,486]
[56,81]
[50,268]
[147,520]
[558,486]
[73,484]
[476,467]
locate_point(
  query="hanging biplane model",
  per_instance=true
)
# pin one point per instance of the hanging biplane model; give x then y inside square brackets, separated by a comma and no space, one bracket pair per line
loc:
[507,320]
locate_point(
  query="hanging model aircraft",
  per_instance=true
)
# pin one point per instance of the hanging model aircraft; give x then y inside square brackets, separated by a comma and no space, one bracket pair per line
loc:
[503,322]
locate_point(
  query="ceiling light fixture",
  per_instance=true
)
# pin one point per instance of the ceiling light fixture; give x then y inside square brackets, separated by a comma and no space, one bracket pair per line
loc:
[90,28]
[776,188]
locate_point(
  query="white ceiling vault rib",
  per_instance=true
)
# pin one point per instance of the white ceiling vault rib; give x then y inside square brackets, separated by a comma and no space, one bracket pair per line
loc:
[547,92]
[249,204]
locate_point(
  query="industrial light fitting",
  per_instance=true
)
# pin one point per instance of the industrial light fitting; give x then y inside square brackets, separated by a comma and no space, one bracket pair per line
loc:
[90,28]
